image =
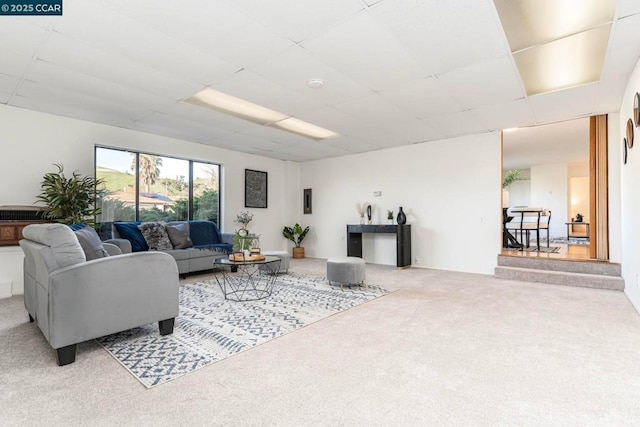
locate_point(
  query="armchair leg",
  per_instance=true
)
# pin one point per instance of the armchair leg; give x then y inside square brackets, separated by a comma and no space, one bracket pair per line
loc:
[166,326]
[31,319]
[66,355]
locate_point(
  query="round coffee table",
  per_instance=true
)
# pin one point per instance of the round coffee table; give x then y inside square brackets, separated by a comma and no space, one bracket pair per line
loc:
[247,280]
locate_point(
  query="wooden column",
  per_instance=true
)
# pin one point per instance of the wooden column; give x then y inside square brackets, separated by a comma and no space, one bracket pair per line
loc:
[599,196]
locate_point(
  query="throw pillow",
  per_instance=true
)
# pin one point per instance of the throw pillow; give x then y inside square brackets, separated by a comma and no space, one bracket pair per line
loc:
[155,235]
[129,231]
[91,243]
[179,235]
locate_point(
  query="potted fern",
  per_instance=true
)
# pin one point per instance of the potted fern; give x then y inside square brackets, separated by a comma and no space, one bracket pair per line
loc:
[296,234]
[69,200]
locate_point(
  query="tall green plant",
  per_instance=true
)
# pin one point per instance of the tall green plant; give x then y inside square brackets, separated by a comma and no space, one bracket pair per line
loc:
[511,176]
[296,234]
[69,200]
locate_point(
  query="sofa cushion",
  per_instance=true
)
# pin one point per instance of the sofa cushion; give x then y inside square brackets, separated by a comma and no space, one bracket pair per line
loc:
[65,248]
[179,235]
[90,242]
[130,231]
[155,235]
[204,233]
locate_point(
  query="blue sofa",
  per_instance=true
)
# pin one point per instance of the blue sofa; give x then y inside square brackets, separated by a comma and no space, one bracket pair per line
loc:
[208,244]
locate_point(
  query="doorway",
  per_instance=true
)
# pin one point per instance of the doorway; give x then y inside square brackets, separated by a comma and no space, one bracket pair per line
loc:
[552,164]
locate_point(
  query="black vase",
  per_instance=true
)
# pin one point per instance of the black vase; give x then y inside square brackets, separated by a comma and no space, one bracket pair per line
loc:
[402,218]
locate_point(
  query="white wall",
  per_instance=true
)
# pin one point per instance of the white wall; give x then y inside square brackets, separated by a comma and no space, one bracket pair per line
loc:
[33,141]
[549,190]
[449,189]
[614,163]
[630,195]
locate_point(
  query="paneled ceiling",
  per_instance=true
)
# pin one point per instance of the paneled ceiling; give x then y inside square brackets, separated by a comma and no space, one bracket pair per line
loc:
[396,72]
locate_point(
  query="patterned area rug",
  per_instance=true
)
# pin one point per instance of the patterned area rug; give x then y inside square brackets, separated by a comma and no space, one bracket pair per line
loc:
[551,249]
[210,328]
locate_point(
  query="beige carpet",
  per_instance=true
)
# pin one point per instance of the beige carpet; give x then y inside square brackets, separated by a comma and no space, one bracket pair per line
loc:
[445,349]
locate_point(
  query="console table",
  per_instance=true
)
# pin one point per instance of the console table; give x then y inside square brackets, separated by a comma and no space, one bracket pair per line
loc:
[403,240]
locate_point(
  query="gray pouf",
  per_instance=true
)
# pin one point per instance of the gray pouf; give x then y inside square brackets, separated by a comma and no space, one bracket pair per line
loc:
[284,259]
[346,270]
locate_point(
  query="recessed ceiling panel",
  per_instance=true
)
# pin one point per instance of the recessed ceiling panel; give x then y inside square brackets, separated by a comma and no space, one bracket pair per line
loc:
[564,63]
[532,22]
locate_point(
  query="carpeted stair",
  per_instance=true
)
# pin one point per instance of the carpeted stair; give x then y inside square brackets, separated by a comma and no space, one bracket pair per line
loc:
[587,274]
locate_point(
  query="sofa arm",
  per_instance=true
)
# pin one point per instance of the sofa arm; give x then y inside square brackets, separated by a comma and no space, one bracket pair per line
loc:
[227,238]
[109,295]
[111,249]
[123,244]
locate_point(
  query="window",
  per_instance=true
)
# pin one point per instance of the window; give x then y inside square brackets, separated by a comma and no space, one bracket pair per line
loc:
[149,187]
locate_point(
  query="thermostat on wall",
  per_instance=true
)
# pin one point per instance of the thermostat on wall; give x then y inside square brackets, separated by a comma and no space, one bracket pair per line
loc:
[377,193]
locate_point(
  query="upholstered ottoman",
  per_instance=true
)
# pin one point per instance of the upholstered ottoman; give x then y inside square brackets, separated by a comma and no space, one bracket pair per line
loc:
[346,270]
[284,259]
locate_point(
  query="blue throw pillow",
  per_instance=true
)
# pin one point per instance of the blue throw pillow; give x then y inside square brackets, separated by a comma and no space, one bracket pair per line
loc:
[204,233]
[77,226]
[130,231]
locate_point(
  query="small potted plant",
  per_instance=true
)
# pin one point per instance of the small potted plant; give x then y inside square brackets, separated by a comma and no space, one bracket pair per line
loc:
[296,234]
[390,216]
[243,218]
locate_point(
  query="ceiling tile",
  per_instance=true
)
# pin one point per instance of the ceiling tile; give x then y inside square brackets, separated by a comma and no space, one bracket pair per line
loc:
[179,127]
[8,83]
[423,98]
[365,51]
[372,110]
[71,81]
[84,59]
[19,36]
[567,104]
[152,48]
[301,19]
[293,69]
[627,7]
[443,35]
[484,83]
[506,115]
[257,89]
[49,100]
[216,27]
[456,124]
[197,114]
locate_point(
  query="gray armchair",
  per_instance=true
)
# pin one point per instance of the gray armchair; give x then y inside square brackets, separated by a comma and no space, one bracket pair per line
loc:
[73,300]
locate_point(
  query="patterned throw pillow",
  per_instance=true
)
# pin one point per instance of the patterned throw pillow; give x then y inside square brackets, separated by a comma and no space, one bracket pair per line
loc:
[155,235]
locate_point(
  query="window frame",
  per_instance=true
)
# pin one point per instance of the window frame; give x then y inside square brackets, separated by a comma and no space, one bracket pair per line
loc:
[190,184]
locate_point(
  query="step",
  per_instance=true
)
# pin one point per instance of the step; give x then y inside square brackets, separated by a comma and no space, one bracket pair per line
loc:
[597,281]
[602,268]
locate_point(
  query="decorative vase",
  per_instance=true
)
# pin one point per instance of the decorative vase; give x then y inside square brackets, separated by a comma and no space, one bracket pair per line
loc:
[369,214]
[402,218]
[390,221]
[362,219]
[298,252]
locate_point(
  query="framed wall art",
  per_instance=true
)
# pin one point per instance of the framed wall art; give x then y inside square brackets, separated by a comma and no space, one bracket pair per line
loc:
[307,201]
[255,189]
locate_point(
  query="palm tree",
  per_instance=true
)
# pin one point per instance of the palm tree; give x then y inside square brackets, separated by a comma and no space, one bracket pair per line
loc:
[149,169]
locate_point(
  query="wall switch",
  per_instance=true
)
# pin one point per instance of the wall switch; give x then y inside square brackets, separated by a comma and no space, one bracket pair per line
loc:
[377,193]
